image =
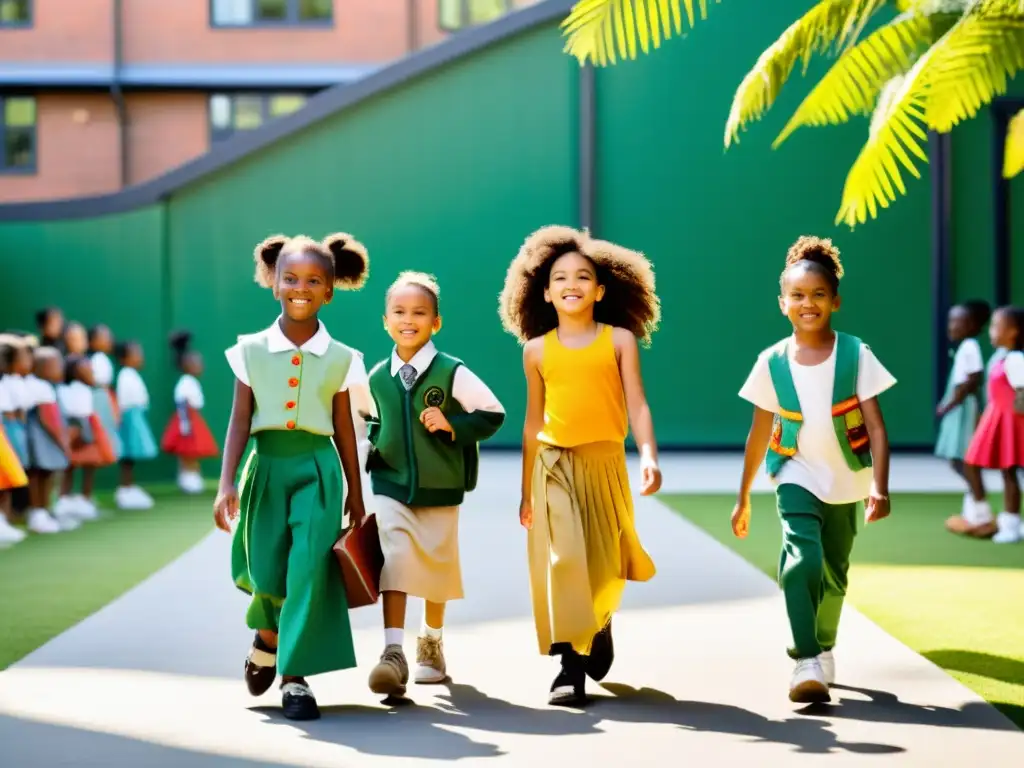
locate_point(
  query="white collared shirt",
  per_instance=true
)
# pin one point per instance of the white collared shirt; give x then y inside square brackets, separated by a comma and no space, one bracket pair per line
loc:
[18,392]
[40,391]
[102,369]
[317,345]
[131,390]
[467,388]
[188,390]
[76,400]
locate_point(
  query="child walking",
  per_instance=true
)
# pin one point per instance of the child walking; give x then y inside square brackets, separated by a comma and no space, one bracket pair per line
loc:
[292,397]
[137,441]
[960,405]
[998,442]
[101,344]
[818,427]
[186,435]
[431,414]
[579,305]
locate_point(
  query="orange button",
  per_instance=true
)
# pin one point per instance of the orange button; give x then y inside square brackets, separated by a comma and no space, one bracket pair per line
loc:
[290,404]
[293,382]
[290,425]
[296,360]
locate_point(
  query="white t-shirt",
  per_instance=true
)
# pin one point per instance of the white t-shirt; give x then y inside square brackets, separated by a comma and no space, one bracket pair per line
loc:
[131,390]
[18,391]
[819,465]
[967,360]
[188,390]
[1014,367]
[102,369]
[6,401]
[40,391]
[76,400]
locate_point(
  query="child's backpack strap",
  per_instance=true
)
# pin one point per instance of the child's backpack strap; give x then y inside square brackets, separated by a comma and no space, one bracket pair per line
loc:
[786,425]
[847,416]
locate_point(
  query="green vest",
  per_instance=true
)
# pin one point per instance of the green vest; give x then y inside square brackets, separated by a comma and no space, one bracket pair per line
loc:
[847,417]
[294,389]
[408,463]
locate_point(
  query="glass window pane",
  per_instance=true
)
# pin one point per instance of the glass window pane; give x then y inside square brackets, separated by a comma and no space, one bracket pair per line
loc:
[19,148]
[232,11]
[449,14]
[272,10]
[20,112]
[285,103]
[220,111]
[248,112]
[316,10]
[15,11]
[484,11]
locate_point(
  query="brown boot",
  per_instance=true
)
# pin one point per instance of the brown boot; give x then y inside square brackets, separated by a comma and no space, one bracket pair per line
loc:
[391,674]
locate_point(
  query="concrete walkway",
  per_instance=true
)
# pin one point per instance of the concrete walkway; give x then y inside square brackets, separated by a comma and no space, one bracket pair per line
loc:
[700,678]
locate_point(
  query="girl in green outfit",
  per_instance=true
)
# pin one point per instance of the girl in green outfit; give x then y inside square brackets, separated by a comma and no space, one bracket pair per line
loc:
[292,397]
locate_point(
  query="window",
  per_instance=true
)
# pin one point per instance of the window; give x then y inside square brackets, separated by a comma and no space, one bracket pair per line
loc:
[453,15]
[17,134]
[15,13]
[232,112]
[249,13]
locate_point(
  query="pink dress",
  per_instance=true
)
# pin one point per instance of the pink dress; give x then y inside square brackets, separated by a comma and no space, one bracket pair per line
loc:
[998,442]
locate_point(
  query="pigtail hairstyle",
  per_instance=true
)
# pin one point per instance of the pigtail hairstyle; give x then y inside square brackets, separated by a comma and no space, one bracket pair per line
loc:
[351,261]
[627,276]
[266,255]
[817,254]
[180,342]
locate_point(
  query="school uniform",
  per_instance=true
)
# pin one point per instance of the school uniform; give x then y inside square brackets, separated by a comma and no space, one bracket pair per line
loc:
[819,461]
[14,424]
[91,449]
[43,419]
[291,498]
[105,401]
[138,443]
[957,427]
[12,472]
[187,435]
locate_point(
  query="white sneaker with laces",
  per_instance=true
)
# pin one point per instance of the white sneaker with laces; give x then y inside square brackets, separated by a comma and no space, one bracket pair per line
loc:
[828,666]
[808,683]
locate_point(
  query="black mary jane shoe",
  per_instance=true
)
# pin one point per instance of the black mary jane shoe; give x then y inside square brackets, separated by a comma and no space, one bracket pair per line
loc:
[260,667]
[602,654]
[298,702]
[569,687]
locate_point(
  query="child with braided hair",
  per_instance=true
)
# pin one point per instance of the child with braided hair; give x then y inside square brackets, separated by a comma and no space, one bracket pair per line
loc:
[292,396]
[579,305]
[818,427]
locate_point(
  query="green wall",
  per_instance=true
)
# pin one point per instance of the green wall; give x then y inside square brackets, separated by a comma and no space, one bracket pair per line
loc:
[450,171]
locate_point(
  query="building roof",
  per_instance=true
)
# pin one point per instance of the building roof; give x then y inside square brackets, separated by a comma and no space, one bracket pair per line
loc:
[324,105]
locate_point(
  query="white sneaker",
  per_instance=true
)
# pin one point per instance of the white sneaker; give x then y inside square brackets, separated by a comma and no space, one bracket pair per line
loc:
[1009,529]
[67,520]
[190,482]
[828,667]
[132,497]
[144,499]
[978,512]
[40,521]
[85,508]
[8,533]
[808,683]
[65,506]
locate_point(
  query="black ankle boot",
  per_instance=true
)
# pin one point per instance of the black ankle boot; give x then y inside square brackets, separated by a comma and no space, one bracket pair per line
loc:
[569,687]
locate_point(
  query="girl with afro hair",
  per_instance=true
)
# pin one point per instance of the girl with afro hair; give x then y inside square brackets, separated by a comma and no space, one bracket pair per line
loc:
[818,428]
[579,305]
[291,396]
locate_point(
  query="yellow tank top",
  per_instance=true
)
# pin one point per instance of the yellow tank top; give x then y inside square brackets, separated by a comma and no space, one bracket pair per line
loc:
[583,397]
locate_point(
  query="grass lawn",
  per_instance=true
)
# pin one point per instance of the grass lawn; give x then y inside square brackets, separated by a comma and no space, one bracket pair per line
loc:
[50,583]
[957,602]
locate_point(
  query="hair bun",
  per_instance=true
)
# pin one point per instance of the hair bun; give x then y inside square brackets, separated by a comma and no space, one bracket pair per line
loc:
[351,260]
[266,255]
[817,249]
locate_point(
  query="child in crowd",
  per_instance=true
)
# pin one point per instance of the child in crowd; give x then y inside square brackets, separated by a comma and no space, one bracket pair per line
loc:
[998,442]
[186,435]
[48,444]
[291,396]
[818,427]
[50,326]
[19,346]
[430,413]
[101,345]
[137,441]
[12,471]
[579,305]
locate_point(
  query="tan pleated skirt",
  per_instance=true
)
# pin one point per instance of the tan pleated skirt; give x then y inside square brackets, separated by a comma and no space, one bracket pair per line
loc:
[421,550]
[583,546]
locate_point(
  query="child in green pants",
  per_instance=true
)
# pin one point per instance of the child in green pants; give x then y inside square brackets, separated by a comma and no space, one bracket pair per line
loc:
[819,428]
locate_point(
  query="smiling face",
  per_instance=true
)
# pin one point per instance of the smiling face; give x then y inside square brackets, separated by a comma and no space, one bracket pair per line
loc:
[410,317]
[572,286]
[807,299]
[303,285]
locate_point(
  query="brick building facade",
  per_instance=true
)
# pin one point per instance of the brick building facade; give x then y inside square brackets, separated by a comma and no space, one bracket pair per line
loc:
[116,92]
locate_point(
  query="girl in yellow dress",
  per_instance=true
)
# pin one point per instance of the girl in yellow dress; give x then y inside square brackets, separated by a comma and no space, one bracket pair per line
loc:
[579,305]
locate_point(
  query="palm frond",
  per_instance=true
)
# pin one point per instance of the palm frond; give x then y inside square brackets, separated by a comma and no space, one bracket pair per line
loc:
[1013,162]
[597,30]
[853,83]
[830,22]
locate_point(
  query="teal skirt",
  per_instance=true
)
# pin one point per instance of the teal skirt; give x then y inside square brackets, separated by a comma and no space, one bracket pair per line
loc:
[956,430]
[105,411]
[291,496]
[137,441]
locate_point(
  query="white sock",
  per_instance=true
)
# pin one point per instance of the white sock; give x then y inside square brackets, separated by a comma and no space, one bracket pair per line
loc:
[394,636]
[428,631]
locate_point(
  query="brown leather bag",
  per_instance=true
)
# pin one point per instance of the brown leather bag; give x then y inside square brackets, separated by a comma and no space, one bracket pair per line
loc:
[361,560]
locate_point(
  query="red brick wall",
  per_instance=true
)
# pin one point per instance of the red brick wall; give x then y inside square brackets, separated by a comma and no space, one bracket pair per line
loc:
[165,130]
[85,34]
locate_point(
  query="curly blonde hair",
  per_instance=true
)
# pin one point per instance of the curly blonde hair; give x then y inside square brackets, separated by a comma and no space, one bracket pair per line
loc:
[627,276]
[817,254]
[425,282]
[347,260]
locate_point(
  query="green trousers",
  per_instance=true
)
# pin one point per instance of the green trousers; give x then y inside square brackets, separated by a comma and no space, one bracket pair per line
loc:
[816,542]
[291,497]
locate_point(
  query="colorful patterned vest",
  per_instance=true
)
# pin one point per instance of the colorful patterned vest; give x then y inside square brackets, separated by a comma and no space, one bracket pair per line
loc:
[847,416]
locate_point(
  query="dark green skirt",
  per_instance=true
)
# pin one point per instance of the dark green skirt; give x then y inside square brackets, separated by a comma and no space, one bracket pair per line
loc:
[291,497]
